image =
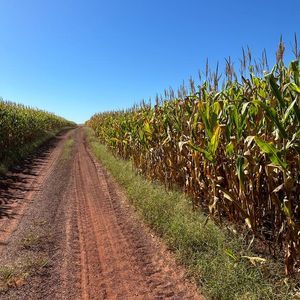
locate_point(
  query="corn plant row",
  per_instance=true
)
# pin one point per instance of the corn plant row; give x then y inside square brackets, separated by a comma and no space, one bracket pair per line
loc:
[235,151]
[21,126]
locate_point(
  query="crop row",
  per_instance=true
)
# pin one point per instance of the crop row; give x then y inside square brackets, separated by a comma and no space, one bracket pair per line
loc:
[236,151]
[21,126]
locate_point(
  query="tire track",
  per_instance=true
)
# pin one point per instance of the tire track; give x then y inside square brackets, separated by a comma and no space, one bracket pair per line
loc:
[118,260]
[96,246]
[28,191]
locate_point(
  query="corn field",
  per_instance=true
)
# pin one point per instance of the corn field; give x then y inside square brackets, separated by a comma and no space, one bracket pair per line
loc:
[235,151]
[21,126]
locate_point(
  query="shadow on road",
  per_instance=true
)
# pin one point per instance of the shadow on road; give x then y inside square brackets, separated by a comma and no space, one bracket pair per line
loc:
[15,184]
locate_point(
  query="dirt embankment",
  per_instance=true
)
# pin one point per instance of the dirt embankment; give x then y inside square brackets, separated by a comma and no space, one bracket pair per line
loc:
[72,235]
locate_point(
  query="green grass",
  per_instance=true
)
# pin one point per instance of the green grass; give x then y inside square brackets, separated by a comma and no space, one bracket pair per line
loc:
[68,146]
[11,276]
[6,273]
[17,274]
[31,240]
[213,257]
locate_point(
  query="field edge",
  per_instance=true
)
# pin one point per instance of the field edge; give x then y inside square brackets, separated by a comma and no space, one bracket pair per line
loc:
[28,149]
[217,260]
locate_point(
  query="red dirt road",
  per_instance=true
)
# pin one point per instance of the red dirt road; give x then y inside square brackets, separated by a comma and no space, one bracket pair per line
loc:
[94,244]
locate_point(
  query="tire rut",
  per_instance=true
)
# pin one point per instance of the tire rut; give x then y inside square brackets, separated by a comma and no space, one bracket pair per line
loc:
[118,260]
[97,247]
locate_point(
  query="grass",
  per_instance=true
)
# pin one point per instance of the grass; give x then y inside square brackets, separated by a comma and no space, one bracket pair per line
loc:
[35,265]
[31,240]
[7,273]
[68,146]
[10,277]
[17,275]
[217,260]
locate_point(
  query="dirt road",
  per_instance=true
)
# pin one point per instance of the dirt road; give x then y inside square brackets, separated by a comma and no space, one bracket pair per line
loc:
[68,232]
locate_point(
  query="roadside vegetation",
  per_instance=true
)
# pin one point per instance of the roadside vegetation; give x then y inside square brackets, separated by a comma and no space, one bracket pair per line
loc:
[234,150]
[217,259]
[23,129]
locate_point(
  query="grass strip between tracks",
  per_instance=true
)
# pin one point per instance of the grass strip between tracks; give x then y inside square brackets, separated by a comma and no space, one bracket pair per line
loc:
[68,147]
[217,260]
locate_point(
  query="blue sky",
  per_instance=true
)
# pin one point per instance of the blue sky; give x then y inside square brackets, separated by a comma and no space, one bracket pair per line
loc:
[79,57]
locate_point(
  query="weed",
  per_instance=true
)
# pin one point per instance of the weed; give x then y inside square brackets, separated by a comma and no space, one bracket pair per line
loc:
[31,240]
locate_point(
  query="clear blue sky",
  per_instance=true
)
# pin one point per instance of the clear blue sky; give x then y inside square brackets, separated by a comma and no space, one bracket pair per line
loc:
[79,57]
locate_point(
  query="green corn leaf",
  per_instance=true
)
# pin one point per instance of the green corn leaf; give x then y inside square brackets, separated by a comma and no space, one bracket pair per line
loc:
[229,149]
[271,113]
[240,169]
[296,69]
[295,87]
[213,145]
[288,111]
[147,128]
[271,151]
[275,89]
[207,155]
[297,112]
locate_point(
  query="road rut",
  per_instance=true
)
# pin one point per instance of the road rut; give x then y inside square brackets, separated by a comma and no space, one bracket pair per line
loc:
[97,246]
